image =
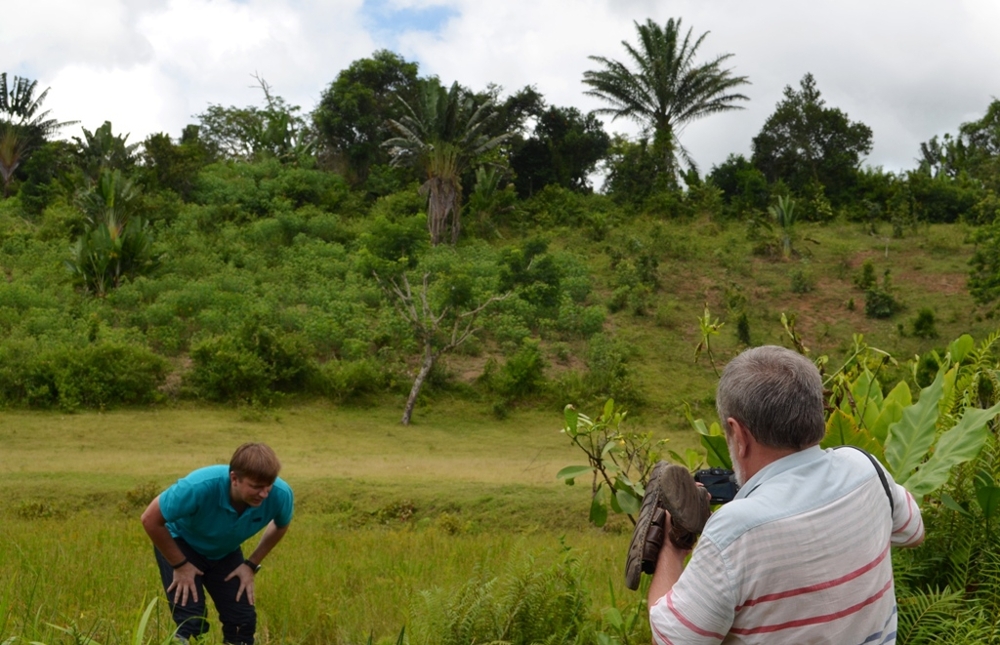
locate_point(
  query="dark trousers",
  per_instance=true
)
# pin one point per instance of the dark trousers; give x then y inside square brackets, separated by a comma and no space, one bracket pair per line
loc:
[239,619]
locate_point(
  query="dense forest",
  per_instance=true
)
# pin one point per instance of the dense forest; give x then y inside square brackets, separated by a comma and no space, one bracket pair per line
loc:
[411,237]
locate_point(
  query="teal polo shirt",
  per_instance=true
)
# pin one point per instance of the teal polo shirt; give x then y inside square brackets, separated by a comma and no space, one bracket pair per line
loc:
[198,510]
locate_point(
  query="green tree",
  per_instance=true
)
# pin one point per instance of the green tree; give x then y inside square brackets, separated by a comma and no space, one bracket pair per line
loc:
[117,244]
[564,150]
[174,166]
[804,143]
[250,133]
[353,113]
[443,136]
[102,150]
[24,126]
[442,295]
[667,88]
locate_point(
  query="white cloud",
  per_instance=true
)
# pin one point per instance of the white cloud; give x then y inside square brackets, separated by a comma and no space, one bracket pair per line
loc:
[908,68]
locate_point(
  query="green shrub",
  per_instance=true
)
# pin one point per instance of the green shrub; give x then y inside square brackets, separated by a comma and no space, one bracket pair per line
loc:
[879,303]
[252,364]
[522,374]
[865,279]
[609,375]
[101,375]
[347,381]
[924,325]
[802,281]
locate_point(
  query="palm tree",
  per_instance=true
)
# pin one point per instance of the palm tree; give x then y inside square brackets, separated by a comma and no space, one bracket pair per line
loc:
[668,89]
[12,152]
[784,214]
[443,136]
[21,108]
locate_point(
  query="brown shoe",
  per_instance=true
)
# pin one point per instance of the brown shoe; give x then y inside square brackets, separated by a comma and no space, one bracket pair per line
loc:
[670,488]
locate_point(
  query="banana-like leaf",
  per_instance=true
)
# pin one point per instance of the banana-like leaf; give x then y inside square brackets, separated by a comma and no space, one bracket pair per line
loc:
[892,410]
[957,445]
[911,437]
[841,430]
[867,395]
[717,451]
[960,348]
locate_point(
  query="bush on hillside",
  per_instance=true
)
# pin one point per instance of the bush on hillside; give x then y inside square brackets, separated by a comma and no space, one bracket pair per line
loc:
[98,375]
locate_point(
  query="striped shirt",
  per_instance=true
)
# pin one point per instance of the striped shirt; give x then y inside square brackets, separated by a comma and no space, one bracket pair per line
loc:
[800,556]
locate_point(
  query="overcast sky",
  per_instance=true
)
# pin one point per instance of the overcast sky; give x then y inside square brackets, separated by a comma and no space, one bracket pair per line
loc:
[909,69]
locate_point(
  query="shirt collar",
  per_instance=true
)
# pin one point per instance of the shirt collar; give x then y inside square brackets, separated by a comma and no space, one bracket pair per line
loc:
[775,468]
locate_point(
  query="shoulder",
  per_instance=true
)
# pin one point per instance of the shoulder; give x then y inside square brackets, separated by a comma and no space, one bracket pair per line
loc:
[200,481]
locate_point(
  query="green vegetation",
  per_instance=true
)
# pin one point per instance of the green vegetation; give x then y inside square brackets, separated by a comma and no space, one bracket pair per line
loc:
[416,245]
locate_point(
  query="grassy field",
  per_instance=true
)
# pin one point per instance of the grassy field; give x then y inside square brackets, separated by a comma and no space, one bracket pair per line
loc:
[383,513]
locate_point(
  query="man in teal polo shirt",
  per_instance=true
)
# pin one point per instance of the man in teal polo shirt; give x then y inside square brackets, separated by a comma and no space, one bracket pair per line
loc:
[197,526]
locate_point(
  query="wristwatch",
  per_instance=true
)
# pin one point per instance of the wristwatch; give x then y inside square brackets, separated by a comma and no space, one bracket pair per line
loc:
[253,567]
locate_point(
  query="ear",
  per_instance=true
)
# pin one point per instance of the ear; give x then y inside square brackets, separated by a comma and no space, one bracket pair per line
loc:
[741,437]
[233,478]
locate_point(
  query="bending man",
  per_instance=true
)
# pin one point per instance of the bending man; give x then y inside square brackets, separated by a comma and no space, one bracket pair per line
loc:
[802,554]
[197,526]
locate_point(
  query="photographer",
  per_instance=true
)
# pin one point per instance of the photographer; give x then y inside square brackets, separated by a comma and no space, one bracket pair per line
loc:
[801,555]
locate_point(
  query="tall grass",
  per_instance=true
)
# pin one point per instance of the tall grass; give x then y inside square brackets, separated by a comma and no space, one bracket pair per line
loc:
[383,515]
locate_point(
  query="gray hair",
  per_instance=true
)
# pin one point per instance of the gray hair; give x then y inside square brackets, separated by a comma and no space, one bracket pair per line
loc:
[777,394]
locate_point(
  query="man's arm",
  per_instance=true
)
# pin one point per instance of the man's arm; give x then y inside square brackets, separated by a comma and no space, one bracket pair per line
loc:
[669,565]
[155,525]
[272,535]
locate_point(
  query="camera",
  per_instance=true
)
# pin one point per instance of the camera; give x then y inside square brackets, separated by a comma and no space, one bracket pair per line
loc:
[719,482]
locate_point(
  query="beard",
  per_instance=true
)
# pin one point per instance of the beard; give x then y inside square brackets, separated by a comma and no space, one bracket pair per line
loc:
[740,479]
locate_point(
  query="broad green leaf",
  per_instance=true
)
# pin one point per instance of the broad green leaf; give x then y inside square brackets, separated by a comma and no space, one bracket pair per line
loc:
[571,417]
[911,437]
[900,394]
[950,502]
[610,446]
[989,500]
[867,395]
[947,389]
[572,472]
[628,502]
[957,445]
[841,430]
[839,427]
[614,503]
[890,414]
[717,451]
[609,409]
[960,348]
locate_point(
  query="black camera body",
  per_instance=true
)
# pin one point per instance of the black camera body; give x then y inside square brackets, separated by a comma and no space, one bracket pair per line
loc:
[719,482]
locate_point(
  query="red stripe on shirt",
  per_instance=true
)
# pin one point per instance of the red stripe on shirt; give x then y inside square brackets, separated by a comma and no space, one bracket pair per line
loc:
[816,587]
[816,620]
[687,623]
[909,508]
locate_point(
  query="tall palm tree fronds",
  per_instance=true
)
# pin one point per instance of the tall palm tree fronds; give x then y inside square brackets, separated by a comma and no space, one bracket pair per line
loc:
[20,107]
[668,88]
[442,134]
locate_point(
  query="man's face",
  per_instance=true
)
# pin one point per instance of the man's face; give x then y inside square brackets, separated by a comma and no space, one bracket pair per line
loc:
[249,491]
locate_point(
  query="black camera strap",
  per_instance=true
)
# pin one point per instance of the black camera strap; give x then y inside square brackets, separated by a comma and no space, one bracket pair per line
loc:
[881,475]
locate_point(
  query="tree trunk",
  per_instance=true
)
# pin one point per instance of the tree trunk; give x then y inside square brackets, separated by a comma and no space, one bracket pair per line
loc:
[425,369]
